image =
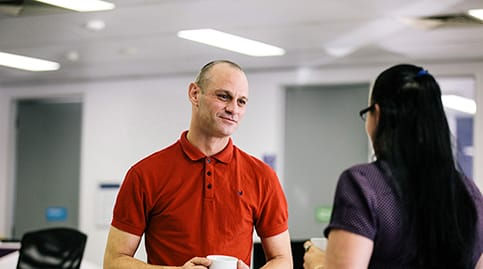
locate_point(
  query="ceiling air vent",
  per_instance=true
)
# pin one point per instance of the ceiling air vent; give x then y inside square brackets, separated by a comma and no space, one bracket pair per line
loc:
[27,8]
[11,7]
[446,20]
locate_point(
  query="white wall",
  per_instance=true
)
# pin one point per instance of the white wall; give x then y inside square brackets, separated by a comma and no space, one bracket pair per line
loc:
[125,120]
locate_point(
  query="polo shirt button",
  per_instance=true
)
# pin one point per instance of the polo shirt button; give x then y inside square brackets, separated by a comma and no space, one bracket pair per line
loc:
[209,173]
[209,186]
[208,160]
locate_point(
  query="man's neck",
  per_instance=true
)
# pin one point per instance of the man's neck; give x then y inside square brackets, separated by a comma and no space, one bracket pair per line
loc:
[209,145]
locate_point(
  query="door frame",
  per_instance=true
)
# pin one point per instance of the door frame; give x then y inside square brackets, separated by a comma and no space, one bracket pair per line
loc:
[12,153]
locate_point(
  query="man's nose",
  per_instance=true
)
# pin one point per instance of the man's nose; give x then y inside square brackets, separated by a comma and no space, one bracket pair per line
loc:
[232,107]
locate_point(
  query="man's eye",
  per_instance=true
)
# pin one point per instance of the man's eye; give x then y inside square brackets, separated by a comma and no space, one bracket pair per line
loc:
[223,96]
[242,102]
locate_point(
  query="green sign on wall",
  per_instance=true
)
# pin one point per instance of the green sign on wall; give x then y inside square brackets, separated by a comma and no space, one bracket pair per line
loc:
[322,213]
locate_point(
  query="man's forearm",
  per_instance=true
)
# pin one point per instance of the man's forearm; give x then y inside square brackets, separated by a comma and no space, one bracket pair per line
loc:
[127,262]
[278,252]
[280,262]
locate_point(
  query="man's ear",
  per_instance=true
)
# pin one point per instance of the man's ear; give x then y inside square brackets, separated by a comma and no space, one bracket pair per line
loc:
[194,92]
[377,112]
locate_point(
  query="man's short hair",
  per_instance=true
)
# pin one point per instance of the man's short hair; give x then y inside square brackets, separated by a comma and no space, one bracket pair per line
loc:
[201,78]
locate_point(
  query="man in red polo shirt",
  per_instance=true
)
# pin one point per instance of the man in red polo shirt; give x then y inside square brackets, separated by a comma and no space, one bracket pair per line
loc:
[202,195]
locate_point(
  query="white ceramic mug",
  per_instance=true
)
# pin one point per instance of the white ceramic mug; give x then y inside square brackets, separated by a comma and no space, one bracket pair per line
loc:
[222,262]
[319,242]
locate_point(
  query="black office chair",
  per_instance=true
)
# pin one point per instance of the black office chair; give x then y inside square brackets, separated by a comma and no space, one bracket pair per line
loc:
[52,248]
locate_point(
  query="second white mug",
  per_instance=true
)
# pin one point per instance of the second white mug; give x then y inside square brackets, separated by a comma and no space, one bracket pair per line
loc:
[319,242]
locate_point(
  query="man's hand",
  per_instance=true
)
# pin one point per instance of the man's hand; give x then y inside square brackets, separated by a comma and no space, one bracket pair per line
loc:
[197,263]
[242,265]
[314,257]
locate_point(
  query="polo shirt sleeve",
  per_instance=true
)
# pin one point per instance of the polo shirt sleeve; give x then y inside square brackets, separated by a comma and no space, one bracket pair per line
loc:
[354,206]
[273,212]
[129,211]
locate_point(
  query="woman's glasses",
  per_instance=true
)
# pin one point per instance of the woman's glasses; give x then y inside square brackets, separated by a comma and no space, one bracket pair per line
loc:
[363,113]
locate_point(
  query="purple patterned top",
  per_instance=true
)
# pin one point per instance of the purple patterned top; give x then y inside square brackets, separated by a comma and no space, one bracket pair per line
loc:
[366,204]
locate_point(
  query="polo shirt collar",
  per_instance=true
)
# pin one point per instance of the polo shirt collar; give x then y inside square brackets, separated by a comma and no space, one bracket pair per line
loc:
[195,154]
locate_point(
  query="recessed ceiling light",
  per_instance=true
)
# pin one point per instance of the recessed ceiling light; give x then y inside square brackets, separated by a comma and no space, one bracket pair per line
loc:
[72,56]
[459,103]
[231,42]
[80,5]
[27,63]
[95,25]
[339,51]
[477,13]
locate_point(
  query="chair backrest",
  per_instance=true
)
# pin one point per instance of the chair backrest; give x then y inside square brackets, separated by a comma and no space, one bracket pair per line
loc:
[52,248]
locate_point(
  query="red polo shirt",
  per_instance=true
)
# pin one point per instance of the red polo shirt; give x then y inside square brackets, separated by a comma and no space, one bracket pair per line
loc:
[188,204]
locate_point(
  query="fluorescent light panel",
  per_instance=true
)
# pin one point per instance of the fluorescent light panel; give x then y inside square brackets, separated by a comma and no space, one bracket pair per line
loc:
[27,63]
[231,42]
[477,13]
[80,5]
[459,103]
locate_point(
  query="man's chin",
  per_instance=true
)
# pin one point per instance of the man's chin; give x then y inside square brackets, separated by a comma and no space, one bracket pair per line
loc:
[226,132]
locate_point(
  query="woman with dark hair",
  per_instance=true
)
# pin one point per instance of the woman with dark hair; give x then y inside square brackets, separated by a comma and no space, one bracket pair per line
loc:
[411,208]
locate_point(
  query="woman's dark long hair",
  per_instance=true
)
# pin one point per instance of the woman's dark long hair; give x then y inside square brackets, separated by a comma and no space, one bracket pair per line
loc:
[413,136]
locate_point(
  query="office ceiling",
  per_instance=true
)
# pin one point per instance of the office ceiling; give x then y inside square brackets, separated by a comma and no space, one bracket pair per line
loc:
[140,39]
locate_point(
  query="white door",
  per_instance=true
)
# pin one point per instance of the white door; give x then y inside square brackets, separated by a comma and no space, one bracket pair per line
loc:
[47,165]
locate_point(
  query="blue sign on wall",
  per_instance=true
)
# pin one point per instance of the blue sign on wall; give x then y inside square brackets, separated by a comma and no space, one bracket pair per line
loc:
[56,213]
[270,160]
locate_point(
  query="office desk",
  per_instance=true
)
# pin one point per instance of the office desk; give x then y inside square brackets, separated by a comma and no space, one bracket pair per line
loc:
[8,247]
[9,261]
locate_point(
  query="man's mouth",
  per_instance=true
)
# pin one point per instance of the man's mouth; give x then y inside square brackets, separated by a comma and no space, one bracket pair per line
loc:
[228,119]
